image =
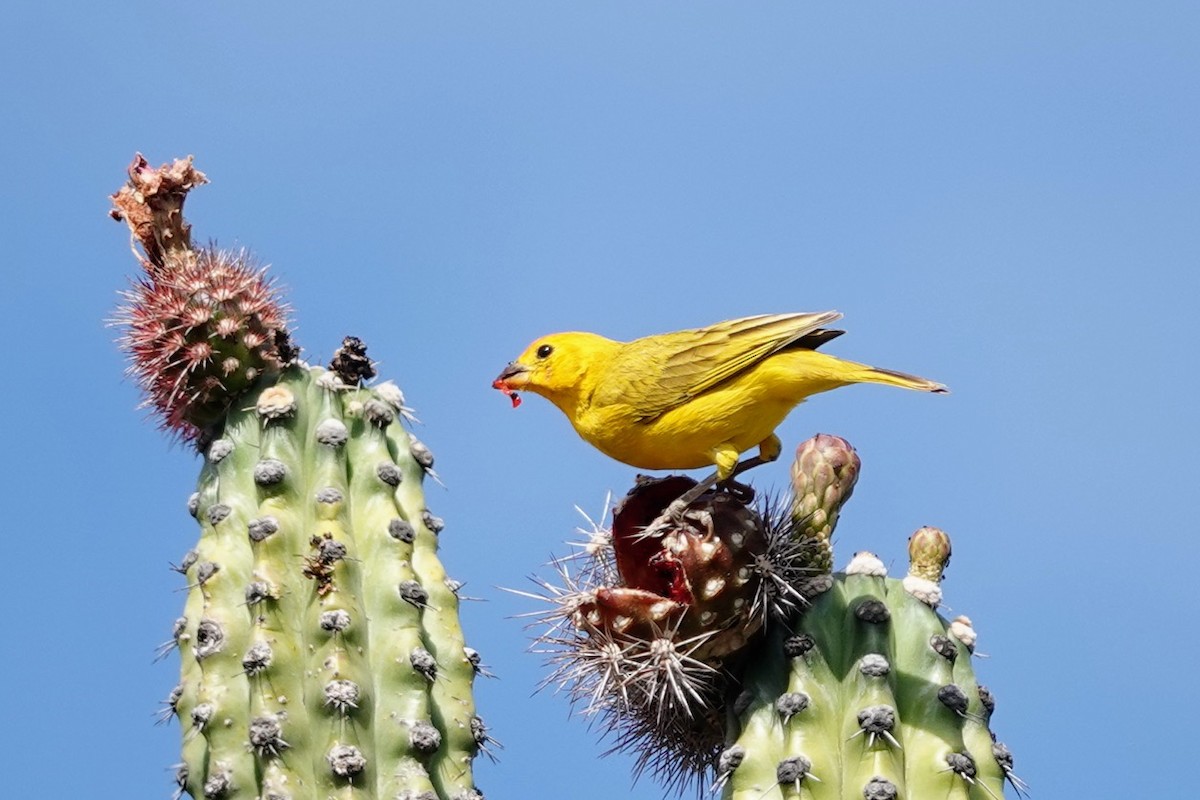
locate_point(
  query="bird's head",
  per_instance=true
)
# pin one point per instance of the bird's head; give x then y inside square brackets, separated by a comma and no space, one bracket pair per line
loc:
[555,367]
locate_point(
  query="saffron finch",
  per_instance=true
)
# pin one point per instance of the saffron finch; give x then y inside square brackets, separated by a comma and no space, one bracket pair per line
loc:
[691,398]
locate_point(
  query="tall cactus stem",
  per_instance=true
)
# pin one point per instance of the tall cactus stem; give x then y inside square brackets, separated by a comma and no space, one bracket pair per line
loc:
[872,748]
[923,660]
[815,732]
[321,653]
[453,708]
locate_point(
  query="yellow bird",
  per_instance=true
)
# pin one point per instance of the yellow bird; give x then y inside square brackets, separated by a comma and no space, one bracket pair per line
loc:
[695,397]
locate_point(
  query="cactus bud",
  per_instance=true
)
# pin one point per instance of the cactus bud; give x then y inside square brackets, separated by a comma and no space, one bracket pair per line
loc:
[823,476]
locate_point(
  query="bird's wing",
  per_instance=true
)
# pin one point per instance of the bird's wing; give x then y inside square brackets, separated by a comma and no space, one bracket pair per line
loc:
[658,373]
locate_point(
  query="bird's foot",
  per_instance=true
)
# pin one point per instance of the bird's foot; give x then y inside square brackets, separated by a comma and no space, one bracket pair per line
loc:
[742,492]
[676,510]
[679,514]
[673,516]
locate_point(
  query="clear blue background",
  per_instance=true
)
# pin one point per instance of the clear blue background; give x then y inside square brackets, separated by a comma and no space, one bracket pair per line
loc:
[1002,196]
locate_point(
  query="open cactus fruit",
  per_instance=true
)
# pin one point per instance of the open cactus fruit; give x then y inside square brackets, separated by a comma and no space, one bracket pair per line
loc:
[321,654]
[724,653]
[320,648]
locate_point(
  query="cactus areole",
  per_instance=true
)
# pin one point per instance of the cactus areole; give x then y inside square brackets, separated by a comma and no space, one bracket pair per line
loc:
[320,648]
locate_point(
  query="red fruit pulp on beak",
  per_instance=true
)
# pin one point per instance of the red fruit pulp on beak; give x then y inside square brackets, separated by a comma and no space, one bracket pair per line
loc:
[504,387]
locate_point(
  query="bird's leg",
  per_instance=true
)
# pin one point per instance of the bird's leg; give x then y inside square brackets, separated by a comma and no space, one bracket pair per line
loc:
[725,456]
[679,505]
[768,451]
[728,466]
[742,492]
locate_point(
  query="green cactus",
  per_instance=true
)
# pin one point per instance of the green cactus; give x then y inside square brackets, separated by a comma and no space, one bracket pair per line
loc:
[845,686]
[321,652]
[868,694]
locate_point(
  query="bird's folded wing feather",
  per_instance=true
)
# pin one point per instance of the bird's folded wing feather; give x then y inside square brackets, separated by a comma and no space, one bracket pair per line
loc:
[658,373]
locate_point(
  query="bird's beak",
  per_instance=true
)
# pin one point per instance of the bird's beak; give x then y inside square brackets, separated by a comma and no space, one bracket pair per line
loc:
[510,379]
[514,376]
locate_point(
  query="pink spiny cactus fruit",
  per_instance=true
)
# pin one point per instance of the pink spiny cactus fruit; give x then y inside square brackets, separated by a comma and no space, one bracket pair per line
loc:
[645,636]
[200,325]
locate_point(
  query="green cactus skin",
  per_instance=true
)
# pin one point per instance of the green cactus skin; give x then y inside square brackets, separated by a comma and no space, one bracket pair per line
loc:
[882,714]
[322,650]
[320,647]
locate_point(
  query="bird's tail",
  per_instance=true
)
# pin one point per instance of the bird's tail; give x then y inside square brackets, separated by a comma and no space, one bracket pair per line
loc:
[807,372]
[866,374]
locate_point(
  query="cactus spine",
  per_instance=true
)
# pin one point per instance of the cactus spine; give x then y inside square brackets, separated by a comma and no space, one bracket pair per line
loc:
[849,686]
[320,648]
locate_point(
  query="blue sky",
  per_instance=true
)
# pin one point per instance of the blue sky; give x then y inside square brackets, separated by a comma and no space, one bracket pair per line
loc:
[1000,196]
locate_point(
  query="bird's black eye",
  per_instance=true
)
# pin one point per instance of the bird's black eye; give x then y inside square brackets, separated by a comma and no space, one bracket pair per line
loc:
[544,351]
